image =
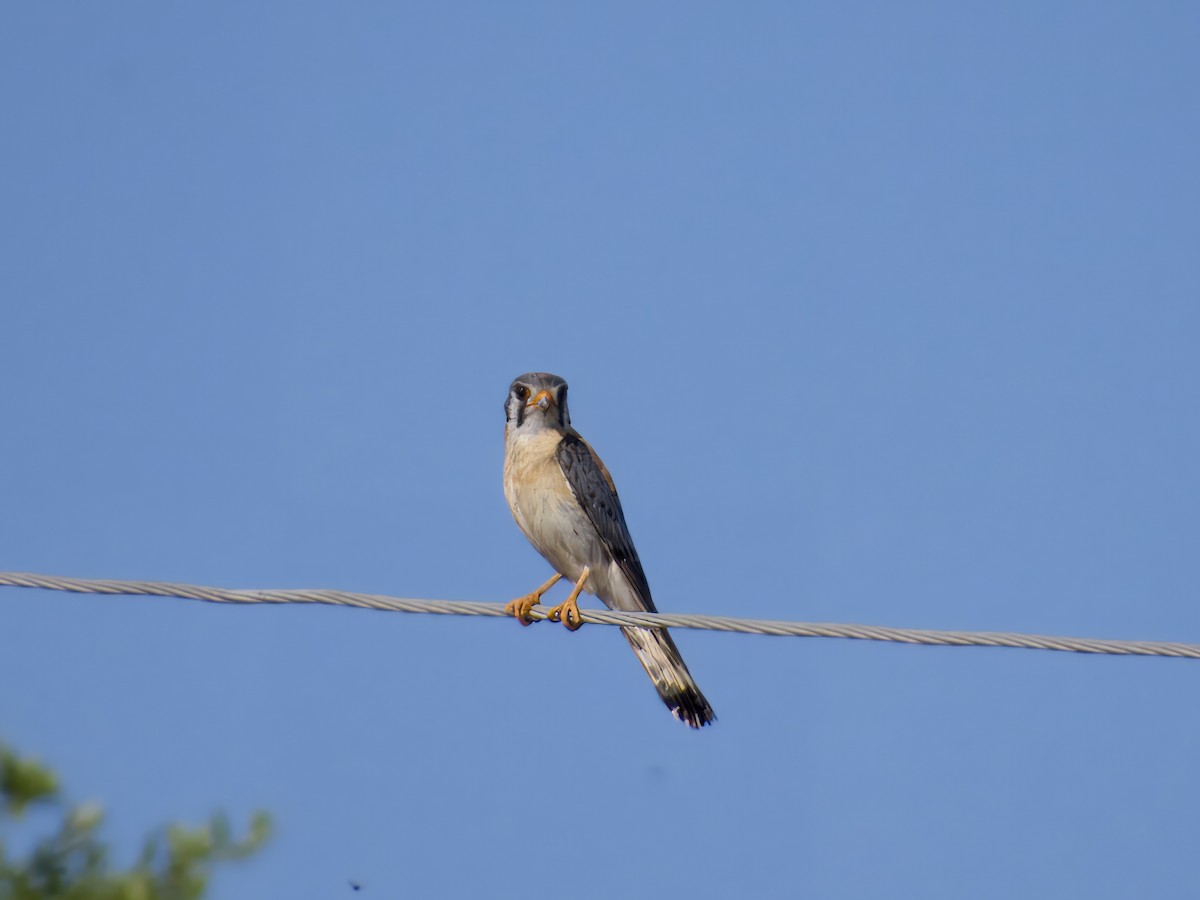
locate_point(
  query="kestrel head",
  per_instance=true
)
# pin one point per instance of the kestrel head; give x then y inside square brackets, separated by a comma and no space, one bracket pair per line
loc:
[537,400]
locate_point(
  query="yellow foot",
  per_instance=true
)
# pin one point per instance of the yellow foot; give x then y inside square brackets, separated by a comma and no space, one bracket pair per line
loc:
[567,612]
[522,605]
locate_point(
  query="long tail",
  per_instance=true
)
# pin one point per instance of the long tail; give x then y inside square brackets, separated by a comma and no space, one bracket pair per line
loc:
[662,662]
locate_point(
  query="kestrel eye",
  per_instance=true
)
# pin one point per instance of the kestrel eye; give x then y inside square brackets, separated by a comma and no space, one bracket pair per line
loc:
[521,392]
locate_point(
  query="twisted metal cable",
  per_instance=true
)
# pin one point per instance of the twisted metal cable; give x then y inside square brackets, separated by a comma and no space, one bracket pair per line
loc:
[607,617]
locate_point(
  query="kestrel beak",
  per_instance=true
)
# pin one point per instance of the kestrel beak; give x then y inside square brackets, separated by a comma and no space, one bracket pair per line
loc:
[542,400]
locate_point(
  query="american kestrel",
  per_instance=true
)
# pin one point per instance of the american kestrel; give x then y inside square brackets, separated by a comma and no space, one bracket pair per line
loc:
[565,502]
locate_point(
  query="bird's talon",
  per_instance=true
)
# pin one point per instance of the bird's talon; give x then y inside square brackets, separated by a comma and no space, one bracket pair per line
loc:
[567,612]
[521,607]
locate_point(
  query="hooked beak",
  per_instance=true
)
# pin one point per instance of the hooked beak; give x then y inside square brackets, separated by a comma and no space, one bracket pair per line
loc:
[542,400]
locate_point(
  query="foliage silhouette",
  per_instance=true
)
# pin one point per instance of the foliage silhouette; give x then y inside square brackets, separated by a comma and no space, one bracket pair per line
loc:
[73,863]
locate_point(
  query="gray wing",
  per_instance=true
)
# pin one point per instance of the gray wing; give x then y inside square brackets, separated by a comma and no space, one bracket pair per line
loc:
[594,489]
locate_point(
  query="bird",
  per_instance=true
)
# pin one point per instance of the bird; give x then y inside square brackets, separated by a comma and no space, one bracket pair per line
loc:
[566,504]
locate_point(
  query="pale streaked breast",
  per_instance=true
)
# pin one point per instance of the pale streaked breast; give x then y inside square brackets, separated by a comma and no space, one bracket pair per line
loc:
[544,506]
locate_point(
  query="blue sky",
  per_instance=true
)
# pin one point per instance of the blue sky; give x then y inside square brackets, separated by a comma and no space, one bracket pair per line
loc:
[880,313]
